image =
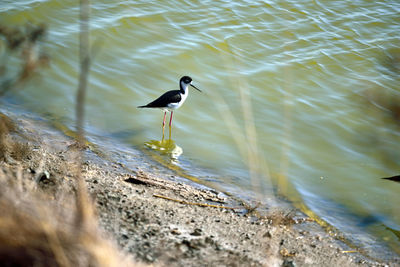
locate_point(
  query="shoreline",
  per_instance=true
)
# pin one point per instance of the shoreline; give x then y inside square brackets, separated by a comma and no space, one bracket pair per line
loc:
[161,222]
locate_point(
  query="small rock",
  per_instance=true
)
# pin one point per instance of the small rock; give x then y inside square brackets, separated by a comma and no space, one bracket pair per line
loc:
[181,247]
[121,164]
[268,234]
[149,258]
[175,232]
[197,232]
[194,243]
[288,263]
[285,253]
[209,240]
[45,175]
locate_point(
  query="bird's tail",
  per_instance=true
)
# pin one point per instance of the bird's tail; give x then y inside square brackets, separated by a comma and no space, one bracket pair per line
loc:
[142,106]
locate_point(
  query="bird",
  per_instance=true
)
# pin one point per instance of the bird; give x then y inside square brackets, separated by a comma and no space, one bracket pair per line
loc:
[171,100]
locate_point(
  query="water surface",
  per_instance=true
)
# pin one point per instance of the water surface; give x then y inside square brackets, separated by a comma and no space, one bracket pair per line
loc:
[283,93]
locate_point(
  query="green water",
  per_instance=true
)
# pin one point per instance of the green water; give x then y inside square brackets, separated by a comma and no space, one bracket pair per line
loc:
[284,85]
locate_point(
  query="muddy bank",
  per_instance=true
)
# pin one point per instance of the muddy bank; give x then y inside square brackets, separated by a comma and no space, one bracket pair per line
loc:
[161,222]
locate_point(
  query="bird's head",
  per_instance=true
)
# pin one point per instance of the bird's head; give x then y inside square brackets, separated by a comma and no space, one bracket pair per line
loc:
[186,81]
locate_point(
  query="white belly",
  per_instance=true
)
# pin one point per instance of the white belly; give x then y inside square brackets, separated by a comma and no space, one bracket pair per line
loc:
[173,106]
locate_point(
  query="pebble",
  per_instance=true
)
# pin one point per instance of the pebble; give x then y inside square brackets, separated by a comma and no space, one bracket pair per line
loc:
[209,240]
[268,234]
[149,258]
[175,232]
[196,232]
[45,175]
[288,263]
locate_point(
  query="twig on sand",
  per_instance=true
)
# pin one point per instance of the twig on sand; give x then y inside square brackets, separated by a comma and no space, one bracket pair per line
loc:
[194,203]
[349,251]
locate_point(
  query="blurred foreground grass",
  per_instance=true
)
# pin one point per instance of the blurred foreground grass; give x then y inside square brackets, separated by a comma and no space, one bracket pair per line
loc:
[37,228]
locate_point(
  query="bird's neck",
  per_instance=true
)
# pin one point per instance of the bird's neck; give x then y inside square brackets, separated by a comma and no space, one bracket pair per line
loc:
[184,88]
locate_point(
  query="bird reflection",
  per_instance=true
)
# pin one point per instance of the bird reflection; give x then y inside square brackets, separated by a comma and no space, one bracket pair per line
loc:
[165,147]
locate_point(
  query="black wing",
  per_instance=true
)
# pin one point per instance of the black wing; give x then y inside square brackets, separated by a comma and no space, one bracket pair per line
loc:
[163,101]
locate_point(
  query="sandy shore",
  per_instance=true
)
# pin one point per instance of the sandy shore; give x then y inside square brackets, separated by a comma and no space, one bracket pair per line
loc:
[162,222]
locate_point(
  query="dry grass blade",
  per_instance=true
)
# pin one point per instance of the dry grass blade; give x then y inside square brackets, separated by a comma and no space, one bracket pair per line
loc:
[245,139]
[84,67]
[37,231]
[85,212]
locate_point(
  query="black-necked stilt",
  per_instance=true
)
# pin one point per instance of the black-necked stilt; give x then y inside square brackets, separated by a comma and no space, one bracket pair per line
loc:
[172,100]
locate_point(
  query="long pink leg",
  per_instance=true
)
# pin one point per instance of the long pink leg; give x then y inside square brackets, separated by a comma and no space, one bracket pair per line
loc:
[170,119]
[163,125]
[170,123]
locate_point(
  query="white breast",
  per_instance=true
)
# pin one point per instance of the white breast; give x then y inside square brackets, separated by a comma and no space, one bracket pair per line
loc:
[179,104]
[173,106]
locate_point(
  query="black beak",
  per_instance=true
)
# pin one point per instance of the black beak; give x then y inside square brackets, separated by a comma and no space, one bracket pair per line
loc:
[195,87]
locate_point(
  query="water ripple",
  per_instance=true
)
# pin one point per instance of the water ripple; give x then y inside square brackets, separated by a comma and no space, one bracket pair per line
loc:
[306,66]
